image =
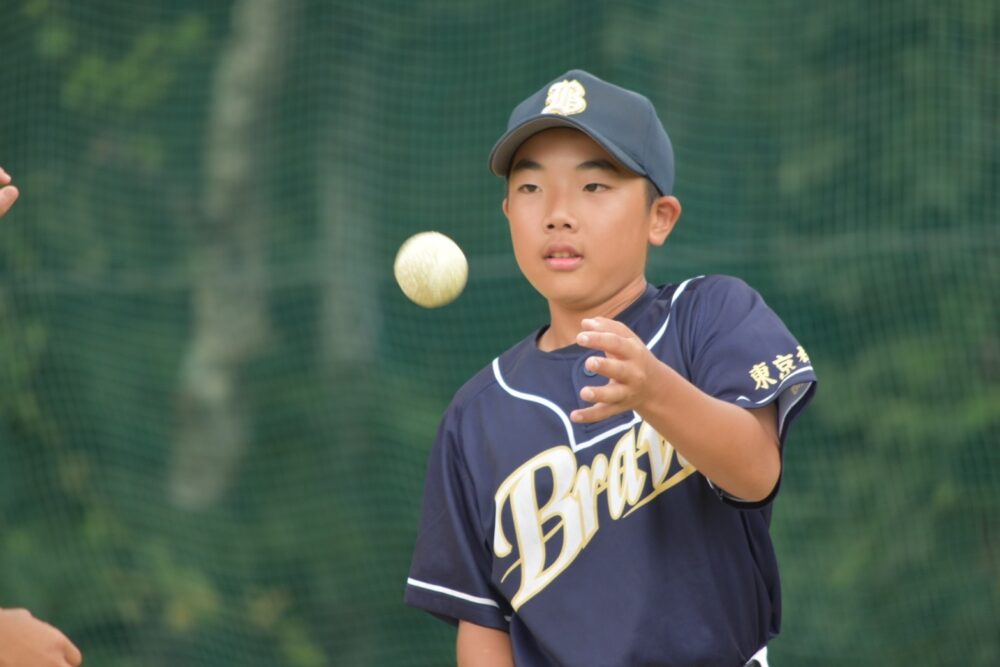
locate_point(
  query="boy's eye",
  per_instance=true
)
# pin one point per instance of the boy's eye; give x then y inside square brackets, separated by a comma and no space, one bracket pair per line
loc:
[527,187]
[595,187]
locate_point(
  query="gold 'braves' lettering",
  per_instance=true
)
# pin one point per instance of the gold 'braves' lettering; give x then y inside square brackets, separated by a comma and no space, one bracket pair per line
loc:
[529,518]
[571,511]
[625,480]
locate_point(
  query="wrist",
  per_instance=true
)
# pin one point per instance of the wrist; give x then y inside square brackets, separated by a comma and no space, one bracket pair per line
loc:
[661,383]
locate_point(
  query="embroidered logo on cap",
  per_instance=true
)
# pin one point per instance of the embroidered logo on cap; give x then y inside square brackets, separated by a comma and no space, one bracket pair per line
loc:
[565,98]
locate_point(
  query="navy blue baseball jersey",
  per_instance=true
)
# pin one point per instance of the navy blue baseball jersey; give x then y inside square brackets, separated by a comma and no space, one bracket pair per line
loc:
[598,544]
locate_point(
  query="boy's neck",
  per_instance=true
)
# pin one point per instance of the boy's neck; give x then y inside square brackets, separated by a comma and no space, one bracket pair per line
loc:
[564,322]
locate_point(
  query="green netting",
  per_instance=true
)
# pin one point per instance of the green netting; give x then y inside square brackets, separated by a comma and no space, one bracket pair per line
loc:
[216,405]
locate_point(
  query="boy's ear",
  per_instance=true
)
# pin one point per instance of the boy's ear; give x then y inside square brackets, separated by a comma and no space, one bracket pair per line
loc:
[504,207]
[664,213]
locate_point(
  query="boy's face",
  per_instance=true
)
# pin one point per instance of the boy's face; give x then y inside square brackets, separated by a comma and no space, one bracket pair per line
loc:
[580,223]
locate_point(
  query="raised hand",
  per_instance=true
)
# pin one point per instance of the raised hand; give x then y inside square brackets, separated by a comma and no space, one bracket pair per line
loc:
[628,364]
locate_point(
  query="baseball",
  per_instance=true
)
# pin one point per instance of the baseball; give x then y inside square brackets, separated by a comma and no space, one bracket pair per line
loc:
[431,269]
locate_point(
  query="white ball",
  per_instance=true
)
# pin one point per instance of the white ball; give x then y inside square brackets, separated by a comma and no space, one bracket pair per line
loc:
[431,269]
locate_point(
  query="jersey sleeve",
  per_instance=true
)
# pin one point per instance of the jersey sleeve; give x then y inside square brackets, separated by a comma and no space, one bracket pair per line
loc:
[450,572]
[741,352]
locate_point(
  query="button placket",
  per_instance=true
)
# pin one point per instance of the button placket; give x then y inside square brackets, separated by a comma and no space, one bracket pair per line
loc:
[584,377]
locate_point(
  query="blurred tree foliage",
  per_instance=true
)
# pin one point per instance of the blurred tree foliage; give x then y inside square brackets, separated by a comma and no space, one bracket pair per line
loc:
[843,159]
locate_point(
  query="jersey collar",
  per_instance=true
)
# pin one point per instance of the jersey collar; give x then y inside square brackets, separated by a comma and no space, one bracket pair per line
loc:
[628,316]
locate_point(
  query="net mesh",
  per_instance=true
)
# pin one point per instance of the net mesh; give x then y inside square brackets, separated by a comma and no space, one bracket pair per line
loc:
[217,406]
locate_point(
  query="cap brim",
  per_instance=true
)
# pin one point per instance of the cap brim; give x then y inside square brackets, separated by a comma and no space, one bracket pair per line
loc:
[503,151]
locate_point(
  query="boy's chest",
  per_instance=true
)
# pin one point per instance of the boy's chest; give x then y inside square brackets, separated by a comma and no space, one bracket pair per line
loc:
[550,496]
[531,409]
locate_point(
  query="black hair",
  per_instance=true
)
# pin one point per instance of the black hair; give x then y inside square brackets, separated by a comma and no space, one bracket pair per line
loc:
[652,192]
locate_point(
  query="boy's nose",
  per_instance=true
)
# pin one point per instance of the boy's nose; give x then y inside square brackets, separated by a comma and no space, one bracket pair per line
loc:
[553,224]
[559,217]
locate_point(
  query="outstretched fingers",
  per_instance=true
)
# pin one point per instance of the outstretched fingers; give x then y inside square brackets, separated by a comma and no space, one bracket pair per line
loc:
[606,324]
[626,364]
[609,336]
[612,392]
[595,413]
[611,368]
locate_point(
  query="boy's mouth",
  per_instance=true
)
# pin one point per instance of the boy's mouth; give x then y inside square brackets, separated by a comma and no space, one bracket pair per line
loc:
[562,257]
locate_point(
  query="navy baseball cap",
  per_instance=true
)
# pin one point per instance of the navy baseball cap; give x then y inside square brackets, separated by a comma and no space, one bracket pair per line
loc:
[623,122]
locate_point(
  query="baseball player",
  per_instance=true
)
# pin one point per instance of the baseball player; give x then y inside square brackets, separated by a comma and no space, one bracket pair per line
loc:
[601,493]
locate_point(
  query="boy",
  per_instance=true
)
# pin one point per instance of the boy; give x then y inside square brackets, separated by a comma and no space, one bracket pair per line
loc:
[601,493]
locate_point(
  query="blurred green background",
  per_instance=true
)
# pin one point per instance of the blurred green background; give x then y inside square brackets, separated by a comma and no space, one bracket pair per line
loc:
[216,405]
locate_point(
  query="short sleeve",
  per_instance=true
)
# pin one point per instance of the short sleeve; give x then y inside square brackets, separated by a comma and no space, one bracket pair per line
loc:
[450,572]
[741,352]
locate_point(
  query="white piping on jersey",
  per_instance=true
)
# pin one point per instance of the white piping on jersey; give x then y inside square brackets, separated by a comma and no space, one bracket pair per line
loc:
[656,338]
[535,399]
[778,389]
[760,656]
[783,412]
[788,410]
[574,445]
[452,592]
[607,434]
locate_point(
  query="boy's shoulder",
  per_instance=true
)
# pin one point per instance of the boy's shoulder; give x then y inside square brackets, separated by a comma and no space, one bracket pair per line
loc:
[699,296]
[473,388]
[478,386]
[719,283]
[714,294]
